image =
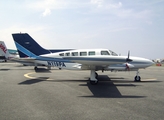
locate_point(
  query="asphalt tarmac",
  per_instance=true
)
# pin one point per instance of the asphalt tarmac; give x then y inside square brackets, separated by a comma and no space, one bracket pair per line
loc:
[26,94]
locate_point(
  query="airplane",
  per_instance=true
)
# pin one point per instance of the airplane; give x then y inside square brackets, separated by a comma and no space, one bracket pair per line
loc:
[5,55]
[89,59]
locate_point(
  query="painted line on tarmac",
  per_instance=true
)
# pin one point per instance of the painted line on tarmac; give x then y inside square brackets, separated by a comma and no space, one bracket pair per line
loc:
[149,79]
[27,75]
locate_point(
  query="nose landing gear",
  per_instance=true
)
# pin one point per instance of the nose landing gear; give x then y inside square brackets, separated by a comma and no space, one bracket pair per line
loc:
[137,78]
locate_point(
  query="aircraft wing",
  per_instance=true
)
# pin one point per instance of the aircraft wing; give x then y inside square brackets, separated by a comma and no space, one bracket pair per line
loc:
[88,67]
[86,63]
[23,59]
[99,63]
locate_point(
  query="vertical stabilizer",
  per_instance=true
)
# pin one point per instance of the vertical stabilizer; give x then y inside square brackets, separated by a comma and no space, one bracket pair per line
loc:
[25,44]
[3,50]
[25,41]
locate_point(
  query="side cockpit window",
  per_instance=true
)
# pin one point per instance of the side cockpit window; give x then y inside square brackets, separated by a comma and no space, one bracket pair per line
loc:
[105,53]
[67,54]
[61,54]
[113,53]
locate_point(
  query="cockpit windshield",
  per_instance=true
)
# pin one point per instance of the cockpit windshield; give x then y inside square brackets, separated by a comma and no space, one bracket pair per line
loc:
[113,53]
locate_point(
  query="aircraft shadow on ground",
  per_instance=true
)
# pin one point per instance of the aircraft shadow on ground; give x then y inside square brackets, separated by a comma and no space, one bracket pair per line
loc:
[131,81]
[4,69]
[107,89]
[45,79]
[42,70]
[36,70]
[104,89]
[31,81]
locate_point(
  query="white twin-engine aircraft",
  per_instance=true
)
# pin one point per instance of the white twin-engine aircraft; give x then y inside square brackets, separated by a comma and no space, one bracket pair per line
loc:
[78,59]
[94,60]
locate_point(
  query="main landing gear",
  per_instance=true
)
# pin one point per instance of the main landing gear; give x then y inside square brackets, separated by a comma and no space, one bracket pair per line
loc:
[93,77]
[137,78]
[49,67]
[35,68]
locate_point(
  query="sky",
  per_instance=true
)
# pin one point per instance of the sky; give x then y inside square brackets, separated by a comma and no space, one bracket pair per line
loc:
[121,26]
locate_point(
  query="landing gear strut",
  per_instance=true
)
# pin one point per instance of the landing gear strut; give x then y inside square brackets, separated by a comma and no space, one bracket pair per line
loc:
[137,77]
[93,77]
[35,68]
[96,75]
[49,67]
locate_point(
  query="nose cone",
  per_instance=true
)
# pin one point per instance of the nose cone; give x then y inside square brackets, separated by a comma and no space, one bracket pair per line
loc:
[141,62]
[146,62]
[149,62]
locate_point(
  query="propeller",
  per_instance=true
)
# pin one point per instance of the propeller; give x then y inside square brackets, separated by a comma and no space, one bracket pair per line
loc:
[127,61]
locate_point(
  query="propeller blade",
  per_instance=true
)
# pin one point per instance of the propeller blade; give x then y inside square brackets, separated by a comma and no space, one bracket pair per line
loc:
[127,59]
[128,54]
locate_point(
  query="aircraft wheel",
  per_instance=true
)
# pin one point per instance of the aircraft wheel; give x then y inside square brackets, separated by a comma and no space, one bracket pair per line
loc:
[93,82]
[49,67]
[137,79]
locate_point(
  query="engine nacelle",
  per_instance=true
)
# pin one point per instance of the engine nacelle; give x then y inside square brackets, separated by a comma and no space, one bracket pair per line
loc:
[125,66]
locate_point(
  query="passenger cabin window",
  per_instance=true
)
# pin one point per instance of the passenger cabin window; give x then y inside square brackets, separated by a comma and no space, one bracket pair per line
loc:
[74,53]
[105,53]
[67,54]
[91,53]
[61,54]
[83,53]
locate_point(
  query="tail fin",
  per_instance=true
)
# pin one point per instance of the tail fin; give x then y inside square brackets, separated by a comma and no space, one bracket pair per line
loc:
[3,50]
[25,41]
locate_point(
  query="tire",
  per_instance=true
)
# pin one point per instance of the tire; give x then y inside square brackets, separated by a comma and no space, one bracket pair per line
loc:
[137,79]
[93,82]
